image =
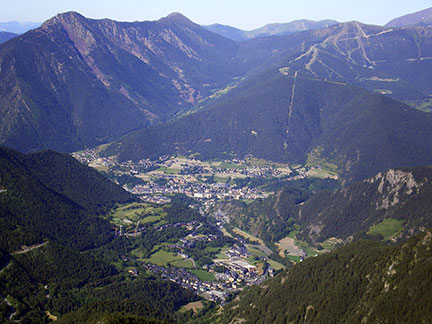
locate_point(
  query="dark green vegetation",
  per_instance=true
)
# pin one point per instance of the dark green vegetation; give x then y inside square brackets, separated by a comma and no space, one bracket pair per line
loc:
[305,97]
[398,200]
[78,82]
[263,118]
[52,196]
[57,254]
[389,206]
[5,36]
[270,29]
[273,218]
[364,282]
[419,18]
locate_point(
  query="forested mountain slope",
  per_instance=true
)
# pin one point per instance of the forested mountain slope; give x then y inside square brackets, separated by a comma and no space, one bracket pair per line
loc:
[54,243]
[284,118]
[52,196]
[402,194]
[364,282]
[77,82]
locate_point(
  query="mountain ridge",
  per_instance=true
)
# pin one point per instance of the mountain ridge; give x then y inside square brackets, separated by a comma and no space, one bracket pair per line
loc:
[400,194]
[149,69]
[273,29]
[5,36]
[419,18]
[262,118]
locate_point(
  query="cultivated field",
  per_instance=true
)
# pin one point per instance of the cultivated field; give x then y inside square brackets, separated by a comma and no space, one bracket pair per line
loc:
[287,246]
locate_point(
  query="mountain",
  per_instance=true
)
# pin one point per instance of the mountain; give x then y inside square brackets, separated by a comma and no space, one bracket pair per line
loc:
[365,282]
[301,97]
[291,27]
[18,27]
[270,29]
[274,218]
[392,205]
[390,61]
[84,82]
[77,82]
[419,18]
[48,195]
[278,117]
[59,258]
[229,32]
[5,36]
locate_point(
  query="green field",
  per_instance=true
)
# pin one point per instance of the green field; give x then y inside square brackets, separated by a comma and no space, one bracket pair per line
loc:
[330,244]
[203,275]
[183,264]
[100,168]
[255,251]
[220,179]
[388,228]
[163,258]
[229,165]
[151,219]
[133,213]
[247,235]
[295,166]
[259,250]
[315,159]
[323,174]
[221,255]
[275,265]
[294,258]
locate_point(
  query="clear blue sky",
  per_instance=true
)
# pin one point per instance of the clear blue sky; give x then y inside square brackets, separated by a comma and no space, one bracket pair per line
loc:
[244,14]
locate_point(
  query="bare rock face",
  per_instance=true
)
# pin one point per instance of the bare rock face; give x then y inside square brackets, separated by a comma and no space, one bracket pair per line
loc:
[392,184]
[402,194]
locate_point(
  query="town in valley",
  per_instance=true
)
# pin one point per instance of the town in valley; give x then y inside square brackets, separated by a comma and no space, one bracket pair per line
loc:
[208,256]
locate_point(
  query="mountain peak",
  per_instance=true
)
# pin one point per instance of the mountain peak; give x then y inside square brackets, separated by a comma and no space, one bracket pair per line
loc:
[62,17]
[177,17]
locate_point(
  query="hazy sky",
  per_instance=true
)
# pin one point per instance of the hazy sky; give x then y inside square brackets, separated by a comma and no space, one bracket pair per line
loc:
[244,14]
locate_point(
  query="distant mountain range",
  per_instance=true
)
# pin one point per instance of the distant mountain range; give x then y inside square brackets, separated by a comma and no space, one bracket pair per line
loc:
[279,98]
[420,18]
[17,27]
[335,95]
[270,29]
[305,102]
[5,36]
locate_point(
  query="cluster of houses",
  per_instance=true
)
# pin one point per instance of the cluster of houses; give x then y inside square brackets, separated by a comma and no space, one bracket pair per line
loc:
[210,192]
[211,290]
